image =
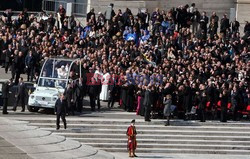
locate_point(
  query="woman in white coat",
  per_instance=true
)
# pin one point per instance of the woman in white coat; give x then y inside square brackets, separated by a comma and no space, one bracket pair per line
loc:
[104,96]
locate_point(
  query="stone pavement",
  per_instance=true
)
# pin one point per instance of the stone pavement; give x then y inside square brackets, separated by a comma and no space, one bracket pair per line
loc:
[180,156]
[40,144]
[10,151]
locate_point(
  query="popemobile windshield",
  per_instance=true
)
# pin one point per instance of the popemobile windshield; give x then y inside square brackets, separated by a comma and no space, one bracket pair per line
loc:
[53,79]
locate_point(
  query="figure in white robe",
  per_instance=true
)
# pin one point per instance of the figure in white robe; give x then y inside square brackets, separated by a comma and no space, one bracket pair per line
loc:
[105,82]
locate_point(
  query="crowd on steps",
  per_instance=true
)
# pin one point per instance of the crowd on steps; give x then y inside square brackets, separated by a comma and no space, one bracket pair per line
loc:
[181,59]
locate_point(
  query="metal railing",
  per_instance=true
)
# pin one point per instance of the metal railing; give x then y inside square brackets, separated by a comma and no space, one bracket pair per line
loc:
[51,6]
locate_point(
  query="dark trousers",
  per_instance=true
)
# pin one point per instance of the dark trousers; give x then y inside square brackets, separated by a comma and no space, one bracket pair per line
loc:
[22,100]
[235,114]
[71,107]
[30,74]
[3,63]
[62,116]
[5,104]
[7,65]
[13,73]
[79,104]
[147,112]
[92,102]
[18,73]
[202,115]
[223,116]
[111,101]
[98,101]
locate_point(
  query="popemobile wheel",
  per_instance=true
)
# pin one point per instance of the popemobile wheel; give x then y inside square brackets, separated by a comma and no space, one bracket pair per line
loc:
[32,109]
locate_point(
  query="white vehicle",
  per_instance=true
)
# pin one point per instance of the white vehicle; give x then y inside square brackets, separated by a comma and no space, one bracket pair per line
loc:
[53,79]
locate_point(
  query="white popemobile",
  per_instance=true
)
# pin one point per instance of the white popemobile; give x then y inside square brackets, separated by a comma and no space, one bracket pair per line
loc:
[52,81]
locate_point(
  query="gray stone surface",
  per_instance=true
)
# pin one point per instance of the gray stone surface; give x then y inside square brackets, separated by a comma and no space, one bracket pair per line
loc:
[18,128]
[9,151]
[45,140]
[179,156]
[40,144]
[25,134]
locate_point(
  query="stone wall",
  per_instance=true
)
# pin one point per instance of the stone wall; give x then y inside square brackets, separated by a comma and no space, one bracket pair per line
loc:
[220,6]
[243,12]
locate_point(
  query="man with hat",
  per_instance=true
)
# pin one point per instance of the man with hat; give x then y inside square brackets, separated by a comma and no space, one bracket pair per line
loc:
[131,133]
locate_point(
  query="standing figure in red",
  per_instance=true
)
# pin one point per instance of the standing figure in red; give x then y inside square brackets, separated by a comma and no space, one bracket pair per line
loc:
[131,133]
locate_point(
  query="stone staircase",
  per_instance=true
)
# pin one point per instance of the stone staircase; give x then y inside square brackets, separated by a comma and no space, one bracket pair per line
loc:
[191,137]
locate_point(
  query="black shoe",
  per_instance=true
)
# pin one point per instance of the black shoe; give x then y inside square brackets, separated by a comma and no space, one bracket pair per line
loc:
[22,110]
[135,155]
[65,126]
[57,128]
[148,120]
[14,109]
[5,113]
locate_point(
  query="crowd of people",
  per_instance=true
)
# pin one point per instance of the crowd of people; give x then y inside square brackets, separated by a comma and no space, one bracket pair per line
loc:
[181,58]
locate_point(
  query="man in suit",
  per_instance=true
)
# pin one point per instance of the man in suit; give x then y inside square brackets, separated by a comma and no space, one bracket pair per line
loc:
[20,95]
[60,111]
[5,96]
[147,103]
[224,25]
[202,103]
[70,97]
[19,63]
[92,92]
[79,94]
[29,64]
[8,58]
[112,91]
[203,23]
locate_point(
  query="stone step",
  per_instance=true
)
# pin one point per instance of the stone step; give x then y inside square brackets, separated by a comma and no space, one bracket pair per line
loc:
[173,146]
[162,141]
[72,125]
[156,132]
[140,122]
[17,128]
[57,147]
[181,151]
[153,136]
[45,140]
[26,134]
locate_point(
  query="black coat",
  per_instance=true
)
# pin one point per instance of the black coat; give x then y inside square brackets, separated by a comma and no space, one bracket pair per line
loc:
[148,101]
[70,94]
[80,90]
[94,88]
[211,93]
[187,98]
[18,63]
[112,87]
[203,23]
[21,90]
[5,90]
[8,57]
[60,106]
[130,96]
[224,24]
[224,102]
[202,100]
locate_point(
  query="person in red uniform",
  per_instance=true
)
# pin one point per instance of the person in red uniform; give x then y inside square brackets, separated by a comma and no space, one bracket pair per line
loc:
[131,133]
